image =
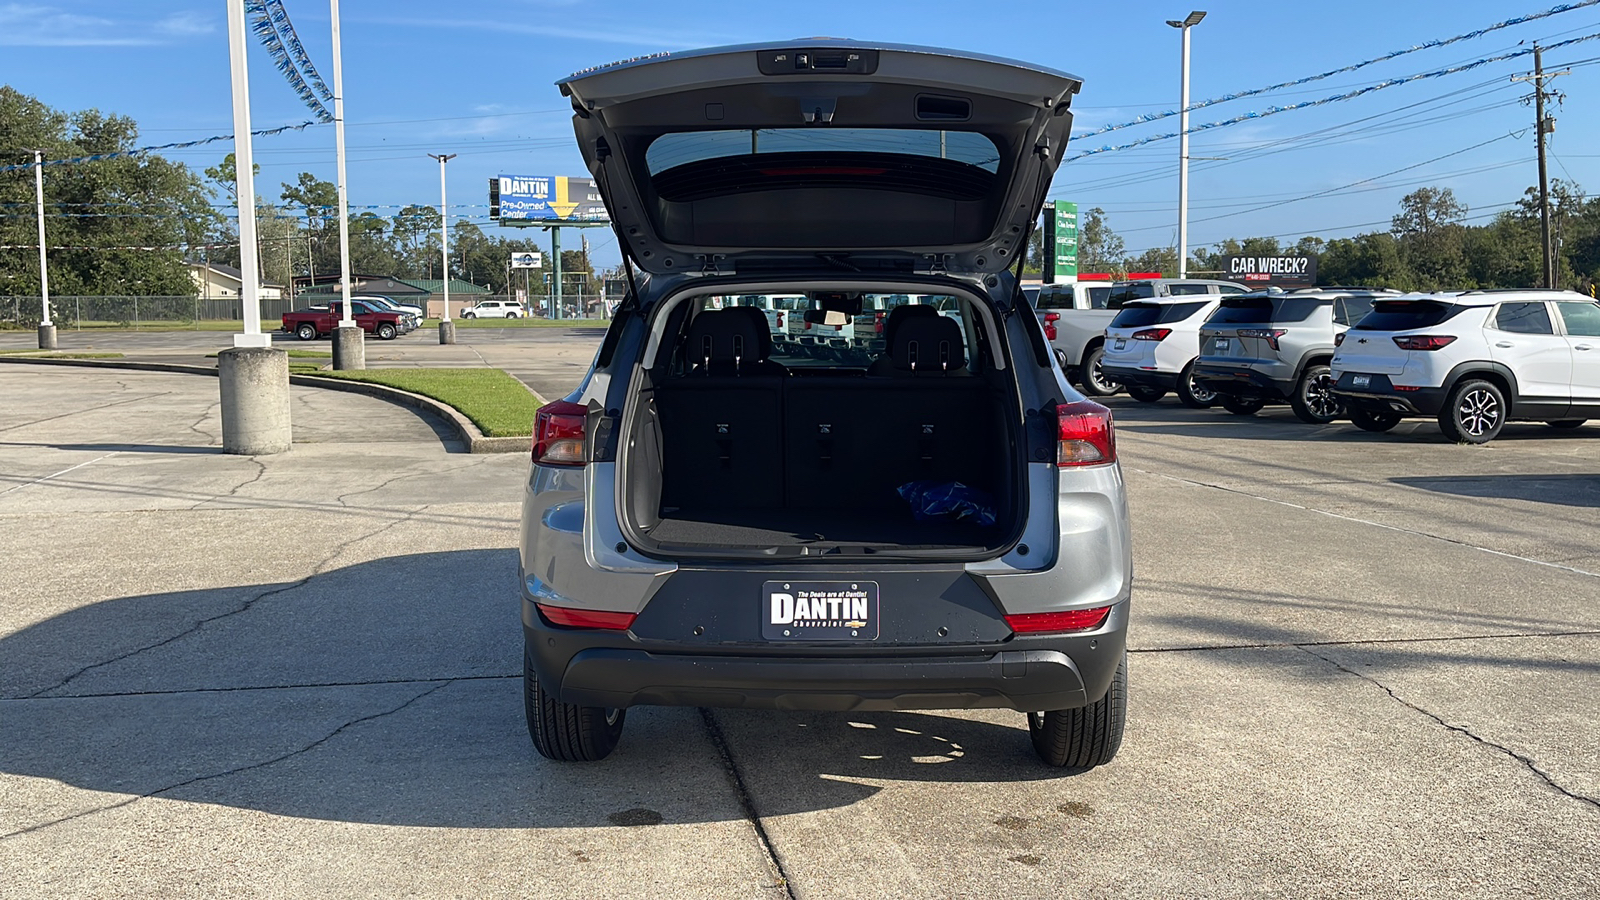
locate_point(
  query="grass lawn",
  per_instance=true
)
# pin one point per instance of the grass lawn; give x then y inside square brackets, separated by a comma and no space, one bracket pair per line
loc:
[522,323]
[498,404]
[267,326]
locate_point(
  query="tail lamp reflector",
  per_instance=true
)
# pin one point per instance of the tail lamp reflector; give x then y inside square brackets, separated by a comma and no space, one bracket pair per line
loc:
[1085,435]
[1067,620]
[588,618]
[1152,334]
[1270,335]
[1050,320]
[558,434]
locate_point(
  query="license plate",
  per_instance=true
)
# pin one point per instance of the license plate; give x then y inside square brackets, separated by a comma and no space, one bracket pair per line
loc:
[1120,344]
[1221,345]
[819,610]
[1360,380]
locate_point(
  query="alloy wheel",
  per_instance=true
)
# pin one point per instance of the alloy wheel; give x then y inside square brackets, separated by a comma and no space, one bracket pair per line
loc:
[1203,395]
[1319,397]
[1104,385]
[1479,412]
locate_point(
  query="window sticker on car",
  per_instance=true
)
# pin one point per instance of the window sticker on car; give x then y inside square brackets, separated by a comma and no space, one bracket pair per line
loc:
[819,610]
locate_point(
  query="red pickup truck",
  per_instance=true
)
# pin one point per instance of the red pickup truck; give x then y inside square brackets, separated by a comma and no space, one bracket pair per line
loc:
[317,321]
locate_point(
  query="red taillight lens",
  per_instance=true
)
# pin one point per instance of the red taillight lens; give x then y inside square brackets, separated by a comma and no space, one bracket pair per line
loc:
[558,434]
[1338,339]
[1085,436]
[780,321]
[1270,335]
[1069,620]
[1050,320]
[1424,341]
[1152,334]
[588,618]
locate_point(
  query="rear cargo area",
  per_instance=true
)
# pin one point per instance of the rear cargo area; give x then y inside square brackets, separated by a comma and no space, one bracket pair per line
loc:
[756,463]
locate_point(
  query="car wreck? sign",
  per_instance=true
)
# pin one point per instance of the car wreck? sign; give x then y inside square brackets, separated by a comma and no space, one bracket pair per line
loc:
[1271,271]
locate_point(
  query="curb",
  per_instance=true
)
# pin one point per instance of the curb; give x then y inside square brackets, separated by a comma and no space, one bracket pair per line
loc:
[466,431]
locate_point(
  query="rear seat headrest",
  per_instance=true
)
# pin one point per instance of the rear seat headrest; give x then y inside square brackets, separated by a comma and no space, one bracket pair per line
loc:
[928,344]
[899,315]
[763,331]
[724,340]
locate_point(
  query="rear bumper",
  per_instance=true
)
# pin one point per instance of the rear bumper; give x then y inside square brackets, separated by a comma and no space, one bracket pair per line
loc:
[1026,673]
[1242,382]
[1380,396]
[1166,381]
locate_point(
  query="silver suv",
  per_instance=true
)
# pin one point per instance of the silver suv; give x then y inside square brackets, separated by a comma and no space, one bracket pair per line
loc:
[713,521]
[1271,346]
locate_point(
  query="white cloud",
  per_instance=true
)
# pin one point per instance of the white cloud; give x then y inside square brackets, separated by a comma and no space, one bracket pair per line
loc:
[33,25]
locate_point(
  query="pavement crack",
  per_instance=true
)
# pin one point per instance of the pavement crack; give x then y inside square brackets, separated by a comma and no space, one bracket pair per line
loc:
[319,569]
[746,802]
[1333,515]
[341,499]
[1526,761]
[79,412]
[195,427]
[234,771]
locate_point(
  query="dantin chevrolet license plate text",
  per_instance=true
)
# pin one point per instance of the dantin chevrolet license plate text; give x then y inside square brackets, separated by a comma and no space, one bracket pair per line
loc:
[819,610]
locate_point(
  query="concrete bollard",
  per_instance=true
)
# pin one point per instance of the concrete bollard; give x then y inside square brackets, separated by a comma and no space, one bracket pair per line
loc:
[348,350]
[447,332]
[255,400]
[47,337]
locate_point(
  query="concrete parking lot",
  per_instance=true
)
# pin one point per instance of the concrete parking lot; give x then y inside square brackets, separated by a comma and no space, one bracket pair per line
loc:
[1363,665]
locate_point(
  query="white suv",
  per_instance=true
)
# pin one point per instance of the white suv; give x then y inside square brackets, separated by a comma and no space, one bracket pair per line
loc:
[1474,360]
[494,309]
[1151,347]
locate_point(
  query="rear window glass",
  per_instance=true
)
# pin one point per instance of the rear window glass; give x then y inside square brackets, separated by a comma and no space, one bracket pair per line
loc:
[1138,315]
[1127,293]
[1098,296]
[1055,298]
[1347,310]
[1524,318]
[1239,310]
[670,150]
[1183,290]
[1404,315]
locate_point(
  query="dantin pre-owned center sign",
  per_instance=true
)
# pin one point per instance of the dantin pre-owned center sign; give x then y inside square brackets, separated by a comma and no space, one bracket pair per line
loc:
[1291,271]
[545,198]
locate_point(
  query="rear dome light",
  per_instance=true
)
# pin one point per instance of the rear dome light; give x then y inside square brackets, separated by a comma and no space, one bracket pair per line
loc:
[558,434]
[1152,334]
[1424,341]
[588,618]
[1067,620]
[1085,435]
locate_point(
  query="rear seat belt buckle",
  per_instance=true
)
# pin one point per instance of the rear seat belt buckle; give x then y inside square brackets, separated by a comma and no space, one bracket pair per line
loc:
[725,445]
[925,444]
[824,445]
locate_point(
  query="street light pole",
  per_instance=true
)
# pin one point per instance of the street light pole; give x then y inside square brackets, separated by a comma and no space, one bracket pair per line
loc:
[1188,22]
[348,352]
[447,328]
[47,329]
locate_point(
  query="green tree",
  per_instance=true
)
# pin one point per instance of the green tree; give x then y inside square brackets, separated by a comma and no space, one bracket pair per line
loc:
[413,227]
[1099,248]
[125,222]
[1156,259]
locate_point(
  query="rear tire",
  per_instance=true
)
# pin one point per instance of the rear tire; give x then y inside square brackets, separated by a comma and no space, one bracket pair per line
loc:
[1191,394]
[1314,401]
[1376,422]
[1242,406]
[1087,737]
[1092,375]
[511,315]
[562,731]
[1567,423]
[306,332]
[1474,414]
[1145,394]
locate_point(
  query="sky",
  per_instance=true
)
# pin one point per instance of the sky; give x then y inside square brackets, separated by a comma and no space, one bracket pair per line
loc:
[475,78]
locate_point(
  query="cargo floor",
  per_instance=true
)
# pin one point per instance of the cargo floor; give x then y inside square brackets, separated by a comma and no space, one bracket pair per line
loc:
[759,528]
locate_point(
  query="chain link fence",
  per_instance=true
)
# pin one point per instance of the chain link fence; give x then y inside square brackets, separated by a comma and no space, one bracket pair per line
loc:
[168,313]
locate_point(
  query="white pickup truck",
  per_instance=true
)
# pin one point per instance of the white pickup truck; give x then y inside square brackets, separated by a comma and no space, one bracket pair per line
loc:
[1075,316]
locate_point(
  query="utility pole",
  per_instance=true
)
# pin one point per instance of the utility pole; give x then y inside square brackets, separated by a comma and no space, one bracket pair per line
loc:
[1545,124]
[447,328]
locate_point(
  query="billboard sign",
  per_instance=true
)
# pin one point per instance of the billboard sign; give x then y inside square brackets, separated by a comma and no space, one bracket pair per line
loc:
[530,260]
[545,198]
[1292,271]
[1060,242]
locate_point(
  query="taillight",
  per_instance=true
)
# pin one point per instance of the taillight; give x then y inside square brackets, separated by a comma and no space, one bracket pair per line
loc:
[1338,339]
[780,321]
[877,323]
[1050,320]
[1152,334]
[1424,341]
[1067,620]
[1270,335]
[1084,435]
[589,618]
[558,434]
